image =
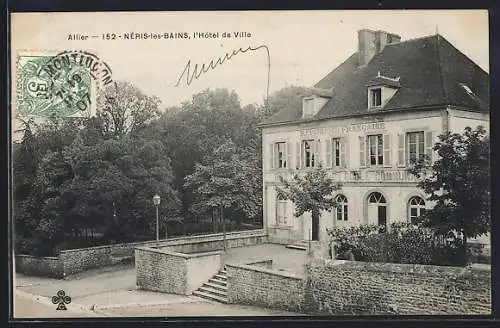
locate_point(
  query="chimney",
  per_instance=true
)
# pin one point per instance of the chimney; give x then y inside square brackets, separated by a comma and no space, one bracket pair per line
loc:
[371,43]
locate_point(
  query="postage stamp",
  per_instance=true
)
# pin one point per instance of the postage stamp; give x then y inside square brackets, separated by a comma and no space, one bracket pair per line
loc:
[62,84]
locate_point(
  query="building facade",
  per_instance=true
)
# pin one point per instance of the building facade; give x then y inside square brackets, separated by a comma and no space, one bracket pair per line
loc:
[365,122]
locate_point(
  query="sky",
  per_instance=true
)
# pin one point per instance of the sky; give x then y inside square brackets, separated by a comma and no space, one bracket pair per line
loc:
[303,45]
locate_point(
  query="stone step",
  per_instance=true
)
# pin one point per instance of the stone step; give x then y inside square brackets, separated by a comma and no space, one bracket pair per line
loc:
[220,287]
[217,281]
[221,277]
[212,291]
[211,297]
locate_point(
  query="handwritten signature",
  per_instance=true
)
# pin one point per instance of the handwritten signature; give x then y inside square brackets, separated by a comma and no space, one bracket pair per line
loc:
[193,73]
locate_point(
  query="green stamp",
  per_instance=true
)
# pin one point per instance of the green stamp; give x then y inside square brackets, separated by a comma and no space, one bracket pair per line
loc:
[63,85]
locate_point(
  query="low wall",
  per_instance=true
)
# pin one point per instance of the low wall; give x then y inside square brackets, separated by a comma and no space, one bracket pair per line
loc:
[404,289]
[72,261]
[44,266]
[268,264]
[254,285]
[361,288]
[213,242]
[77,260]
[165,270]
[283,234]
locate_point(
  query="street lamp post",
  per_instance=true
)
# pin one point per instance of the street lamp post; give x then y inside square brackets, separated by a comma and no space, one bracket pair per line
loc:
[114,221]
[156,201]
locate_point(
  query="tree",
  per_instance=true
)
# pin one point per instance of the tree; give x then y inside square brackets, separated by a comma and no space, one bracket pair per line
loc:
[311,192]
[38,174]
[72,174]
[125,109]
[191,133]
[458,183]
[122,173]
[226,179]
[286,98]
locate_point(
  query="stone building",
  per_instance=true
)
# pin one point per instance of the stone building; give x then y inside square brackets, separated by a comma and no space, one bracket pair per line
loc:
[364,121]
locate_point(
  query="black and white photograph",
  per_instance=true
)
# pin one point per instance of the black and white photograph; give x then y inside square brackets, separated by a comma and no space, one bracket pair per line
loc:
[250,164]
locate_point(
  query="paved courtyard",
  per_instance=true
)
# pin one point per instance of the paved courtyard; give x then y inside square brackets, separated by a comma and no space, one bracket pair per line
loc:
[112,291]
[283,258]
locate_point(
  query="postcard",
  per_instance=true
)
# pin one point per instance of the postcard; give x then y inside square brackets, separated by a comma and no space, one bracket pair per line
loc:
[250,163]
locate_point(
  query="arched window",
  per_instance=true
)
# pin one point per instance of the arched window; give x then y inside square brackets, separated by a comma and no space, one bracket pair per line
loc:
[341,209]
[376,198]
[416,207]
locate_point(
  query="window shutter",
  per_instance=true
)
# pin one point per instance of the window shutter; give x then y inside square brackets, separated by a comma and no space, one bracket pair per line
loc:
[289,155]
[429,143]
[271,156]
[362,152]
[298,162]
[401,150]
[329,152]
[317,153]
[387,150]
[343,152]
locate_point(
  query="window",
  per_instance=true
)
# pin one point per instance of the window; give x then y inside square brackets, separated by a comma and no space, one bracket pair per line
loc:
[308,152]
[376,97]
[375,150]
[281,212]
[416,207]
[308,107]
[336,152]
[280,155]
[341,209]
[376,198]
[415,146]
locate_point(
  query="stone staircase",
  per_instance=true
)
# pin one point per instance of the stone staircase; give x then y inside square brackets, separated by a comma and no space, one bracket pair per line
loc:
[301,245]
[215,289]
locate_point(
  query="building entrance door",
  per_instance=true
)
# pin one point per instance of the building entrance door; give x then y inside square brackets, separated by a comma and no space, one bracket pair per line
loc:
[377,210]
[372,214]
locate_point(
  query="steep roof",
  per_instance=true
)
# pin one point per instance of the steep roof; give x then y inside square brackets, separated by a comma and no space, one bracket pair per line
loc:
[431,72]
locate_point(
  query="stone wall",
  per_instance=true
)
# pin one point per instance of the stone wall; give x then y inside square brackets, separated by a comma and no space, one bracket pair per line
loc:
[44,266]
[154,271]
[254,285]
[165,270]
[77,260]
[361,288]
[404,289]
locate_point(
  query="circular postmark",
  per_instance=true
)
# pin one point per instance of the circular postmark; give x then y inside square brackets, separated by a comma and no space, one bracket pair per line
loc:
[61,85]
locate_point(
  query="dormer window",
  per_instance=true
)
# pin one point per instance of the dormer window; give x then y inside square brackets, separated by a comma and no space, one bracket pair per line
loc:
[376,97]
[381,89]
[313,100]
[308,106]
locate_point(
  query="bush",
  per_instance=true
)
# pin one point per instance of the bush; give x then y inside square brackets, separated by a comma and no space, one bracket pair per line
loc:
[403,243]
